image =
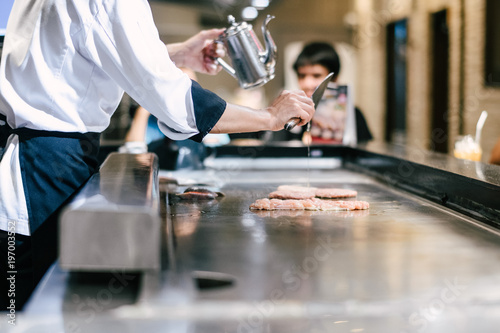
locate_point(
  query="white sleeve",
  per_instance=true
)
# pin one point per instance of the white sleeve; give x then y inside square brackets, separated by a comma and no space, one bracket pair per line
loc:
[123,42]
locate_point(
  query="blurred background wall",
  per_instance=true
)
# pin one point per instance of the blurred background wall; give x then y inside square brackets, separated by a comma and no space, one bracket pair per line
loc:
[445,51]
[423,70]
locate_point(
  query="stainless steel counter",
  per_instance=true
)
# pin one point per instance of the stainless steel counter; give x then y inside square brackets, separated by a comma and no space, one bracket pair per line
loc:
[408,264]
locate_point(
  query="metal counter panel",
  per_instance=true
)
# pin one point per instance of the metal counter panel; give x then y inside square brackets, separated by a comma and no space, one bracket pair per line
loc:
[113,222]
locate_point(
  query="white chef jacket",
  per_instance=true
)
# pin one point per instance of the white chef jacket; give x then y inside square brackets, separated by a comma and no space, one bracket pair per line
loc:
[80,56]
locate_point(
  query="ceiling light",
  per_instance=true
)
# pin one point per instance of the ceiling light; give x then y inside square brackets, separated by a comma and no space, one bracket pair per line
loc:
[249,13]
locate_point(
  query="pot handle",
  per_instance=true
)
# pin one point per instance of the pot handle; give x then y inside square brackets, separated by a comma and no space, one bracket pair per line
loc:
[226,67]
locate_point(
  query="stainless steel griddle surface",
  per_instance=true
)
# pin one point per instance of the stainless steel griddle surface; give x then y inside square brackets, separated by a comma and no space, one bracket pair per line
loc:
[405,265]
[405,258]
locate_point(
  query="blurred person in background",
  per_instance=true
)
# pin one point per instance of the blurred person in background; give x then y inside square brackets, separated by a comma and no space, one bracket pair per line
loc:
[313,64]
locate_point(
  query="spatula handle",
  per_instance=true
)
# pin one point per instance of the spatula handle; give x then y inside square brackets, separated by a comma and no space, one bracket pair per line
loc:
[292,123]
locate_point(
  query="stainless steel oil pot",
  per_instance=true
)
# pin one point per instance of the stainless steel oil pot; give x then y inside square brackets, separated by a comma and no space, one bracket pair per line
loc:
[252,65]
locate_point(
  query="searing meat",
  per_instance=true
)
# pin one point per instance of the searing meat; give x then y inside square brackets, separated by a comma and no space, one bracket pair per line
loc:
[333,193]
[273,204]
[308,204]
[292,194]
[197,193]
[309,213]
[341,205]
[301,192]
[285,213]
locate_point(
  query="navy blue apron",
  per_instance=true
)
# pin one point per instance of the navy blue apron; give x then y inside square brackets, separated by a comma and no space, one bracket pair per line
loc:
[54,165]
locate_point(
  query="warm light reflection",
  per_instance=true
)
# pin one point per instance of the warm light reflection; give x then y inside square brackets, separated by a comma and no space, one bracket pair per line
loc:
[257,229]
[248,222]
[186,216]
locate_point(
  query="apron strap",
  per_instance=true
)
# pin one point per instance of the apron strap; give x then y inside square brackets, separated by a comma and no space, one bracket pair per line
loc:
[28,133]
[5,131]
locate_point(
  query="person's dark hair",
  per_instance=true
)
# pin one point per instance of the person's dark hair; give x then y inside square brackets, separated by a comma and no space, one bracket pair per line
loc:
[319,53]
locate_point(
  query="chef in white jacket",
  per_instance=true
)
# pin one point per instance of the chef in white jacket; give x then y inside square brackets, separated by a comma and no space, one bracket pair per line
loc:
[64,67]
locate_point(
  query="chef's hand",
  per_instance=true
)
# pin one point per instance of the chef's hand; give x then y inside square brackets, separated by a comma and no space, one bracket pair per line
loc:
[288,105]
[198,52]
[242,119]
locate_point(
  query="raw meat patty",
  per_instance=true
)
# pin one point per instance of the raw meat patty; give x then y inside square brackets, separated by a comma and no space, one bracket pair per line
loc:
[292,194]
[302,192]
[333,193]
[308,204]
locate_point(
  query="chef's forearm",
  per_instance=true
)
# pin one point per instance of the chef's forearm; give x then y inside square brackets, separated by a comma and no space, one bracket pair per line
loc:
[286,106]
[240,119]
